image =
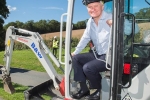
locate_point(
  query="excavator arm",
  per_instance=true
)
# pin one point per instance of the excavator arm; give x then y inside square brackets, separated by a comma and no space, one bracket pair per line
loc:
[35,42]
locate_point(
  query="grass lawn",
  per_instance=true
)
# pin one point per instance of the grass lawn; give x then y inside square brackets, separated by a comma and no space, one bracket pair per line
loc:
[18,95]
[24,59]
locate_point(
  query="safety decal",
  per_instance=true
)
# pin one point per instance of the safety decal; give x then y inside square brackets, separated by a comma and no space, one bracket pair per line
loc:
[127,97]
[8,43]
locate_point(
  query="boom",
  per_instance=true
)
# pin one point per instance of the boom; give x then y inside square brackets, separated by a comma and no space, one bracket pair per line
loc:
[35,42]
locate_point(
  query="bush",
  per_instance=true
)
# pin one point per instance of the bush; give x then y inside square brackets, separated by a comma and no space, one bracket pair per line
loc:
[2,40]
[74,42]
[21,46]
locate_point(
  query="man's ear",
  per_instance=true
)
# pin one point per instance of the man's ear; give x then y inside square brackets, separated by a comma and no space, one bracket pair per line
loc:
[102,7]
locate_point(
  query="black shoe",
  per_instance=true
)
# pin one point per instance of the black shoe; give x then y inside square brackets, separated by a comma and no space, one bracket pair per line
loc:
[80,94]
[94,96]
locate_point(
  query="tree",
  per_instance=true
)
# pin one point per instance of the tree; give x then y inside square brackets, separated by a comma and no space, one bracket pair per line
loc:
[4,11]
[10,24]
[42,26]
[55,25]
[81,24]
[28,25]
[143,13]
[64,26]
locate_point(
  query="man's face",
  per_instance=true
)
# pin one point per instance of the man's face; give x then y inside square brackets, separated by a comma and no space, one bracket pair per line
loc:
[95,9]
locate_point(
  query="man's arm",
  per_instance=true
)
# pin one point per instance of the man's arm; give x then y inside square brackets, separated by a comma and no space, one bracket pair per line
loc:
[82,43]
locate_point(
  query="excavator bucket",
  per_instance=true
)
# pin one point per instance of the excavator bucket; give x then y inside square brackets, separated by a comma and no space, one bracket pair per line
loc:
[7,83]
[46,88]
[8,87]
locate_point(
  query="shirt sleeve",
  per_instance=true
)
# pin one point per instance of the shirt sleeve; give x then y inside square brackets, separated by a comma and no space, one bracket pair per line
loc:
[83,42]
[109,16]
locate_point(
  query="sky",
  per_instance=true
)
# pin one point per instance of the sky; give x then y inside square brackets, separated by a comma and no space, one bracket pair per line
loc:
[26,10]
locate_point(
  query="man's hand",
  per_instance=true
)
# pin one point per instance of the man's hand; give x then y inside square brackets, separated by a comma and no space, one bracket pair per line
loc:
[109,22]
[72,54]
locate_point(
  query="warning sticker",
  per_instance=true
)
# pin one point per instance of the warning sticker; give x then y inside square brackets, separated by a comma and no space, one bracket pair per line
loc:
[127,97]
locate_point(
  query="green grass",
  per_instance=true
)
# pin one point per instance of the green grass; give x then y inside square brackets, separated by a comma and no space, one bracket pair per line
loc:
[18,95]
[25,59]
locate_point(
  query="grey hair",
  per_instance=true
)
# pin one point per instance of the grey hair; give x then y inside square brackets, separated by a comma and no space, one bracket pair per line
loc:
[101,2]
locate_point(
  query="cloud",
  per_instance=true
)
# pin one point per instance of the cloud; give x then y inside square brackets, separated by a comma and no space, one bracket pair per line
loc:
[135,7]
[55,8]
[11,8]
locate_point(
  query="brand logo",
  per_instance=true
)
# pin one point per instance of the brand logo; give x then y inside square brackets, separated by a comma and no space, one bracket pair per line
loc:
[36,50]
[21,39]
[127,97]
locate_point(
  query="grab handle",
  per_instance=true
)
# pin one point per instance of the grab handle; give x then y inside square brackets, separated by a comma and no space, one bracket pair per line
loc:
[60,44]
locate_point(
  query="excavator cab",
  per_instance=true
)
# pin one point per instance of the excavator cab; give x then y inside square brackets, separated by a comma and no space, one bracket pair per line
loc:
[129,56]
[130,77]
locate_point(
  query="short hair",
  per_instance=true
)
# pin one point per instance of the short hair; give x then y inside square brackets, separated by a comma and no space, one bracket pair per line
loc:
[102,2]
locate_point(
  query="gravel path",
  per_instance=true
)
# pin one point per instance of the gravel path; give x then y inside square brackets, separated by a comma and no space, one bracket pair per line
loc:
[27,77]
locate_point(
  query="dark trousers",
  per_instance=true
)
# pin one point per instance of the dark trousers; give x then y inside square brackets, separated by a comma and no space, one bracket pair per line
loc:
[87,67]
[55,51]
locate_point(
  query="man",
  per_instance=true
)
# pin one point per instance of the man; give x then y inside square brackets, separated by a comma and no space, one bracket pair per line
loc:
[55,46]
[86,66]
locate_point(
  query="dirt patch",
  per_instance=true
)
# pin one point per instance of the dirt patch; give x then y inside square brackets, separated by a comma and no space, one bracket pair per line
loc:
[144,26]
[75,34]
[79,33]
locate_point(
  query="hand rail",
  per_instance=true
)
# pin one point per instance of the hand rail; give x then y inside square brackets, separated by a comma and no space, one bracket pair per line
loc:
[60,41]
[132,48]
[147,2]
[109,46]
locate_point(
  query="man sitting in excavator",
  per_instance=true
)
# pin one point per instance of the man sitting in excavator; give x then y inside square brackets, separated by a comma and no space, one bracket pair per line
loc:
[85,65]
